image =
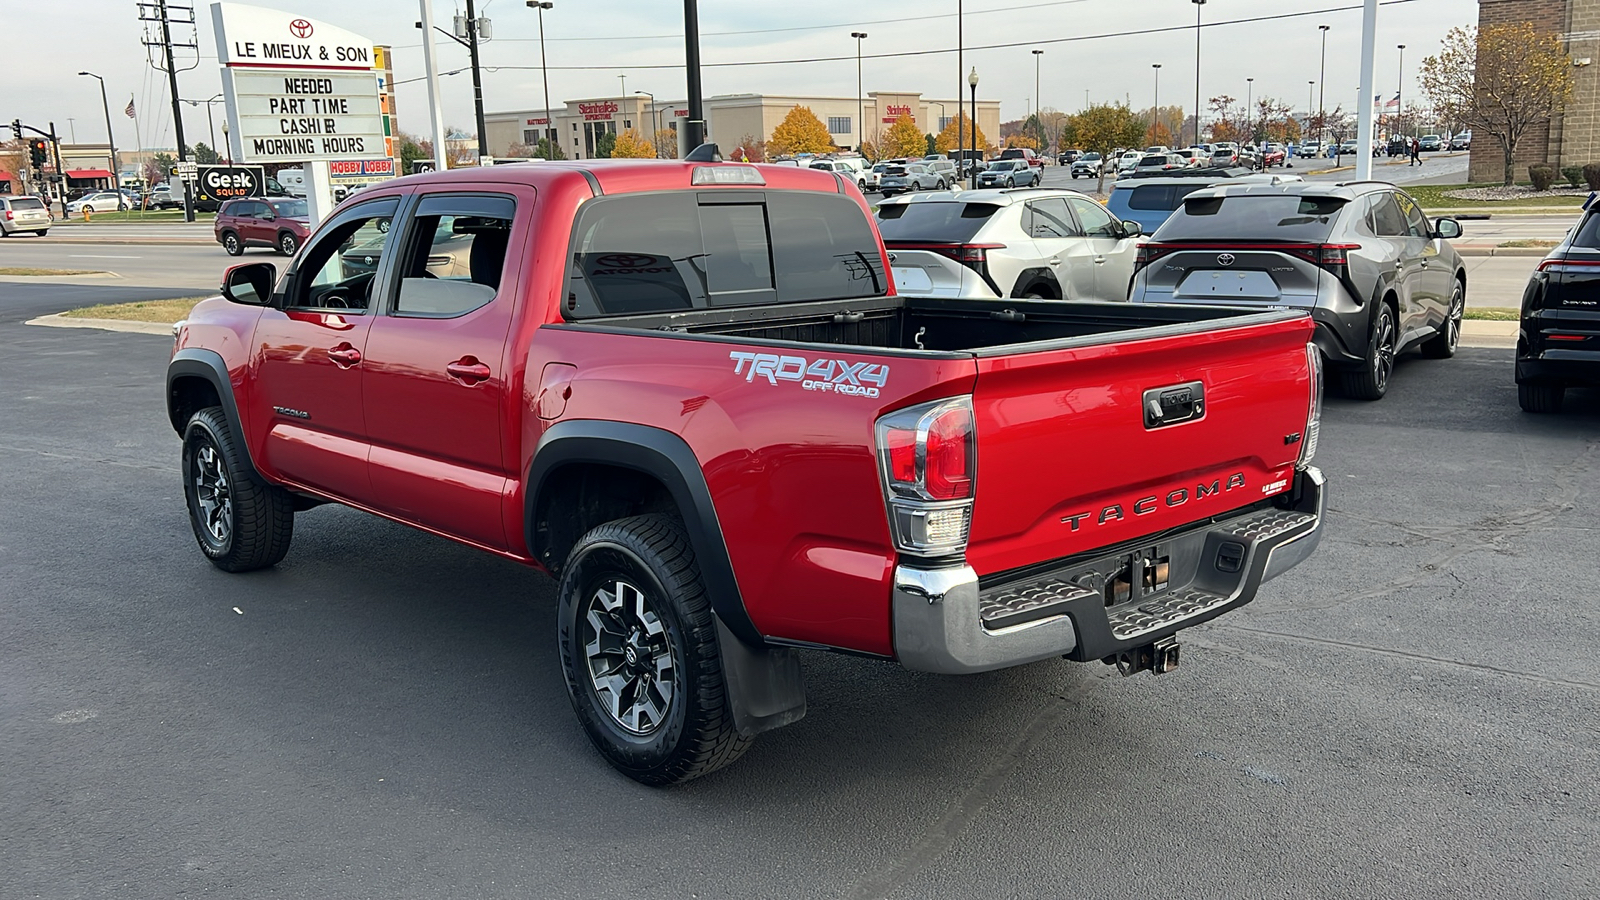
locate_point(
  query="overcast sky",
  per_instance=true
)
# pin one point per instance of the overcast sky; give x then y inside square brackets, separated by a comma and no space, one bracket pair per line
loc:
[587,40]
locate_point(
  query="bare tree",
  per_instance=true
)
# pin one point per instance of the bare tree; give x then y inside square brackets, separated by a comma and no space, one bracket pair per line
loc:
[1503,80]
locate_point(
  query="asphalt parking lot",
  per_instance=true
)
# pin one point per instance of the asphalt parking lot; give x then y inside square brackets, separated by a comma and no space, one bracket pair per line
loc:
[1410,713]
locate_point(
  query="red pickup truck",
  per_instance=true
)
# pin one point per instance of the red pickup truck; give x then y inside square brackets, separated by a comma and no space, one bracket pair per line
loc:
[688,391]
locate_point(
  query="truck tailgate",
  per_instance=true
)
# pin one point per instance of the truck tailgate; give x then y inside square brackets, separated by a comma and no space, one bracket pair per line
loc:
[1072,456]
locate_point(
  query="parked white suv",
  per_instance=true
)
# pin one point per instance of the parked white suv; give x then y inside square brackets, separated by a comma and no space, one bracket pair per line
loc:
[1039,244]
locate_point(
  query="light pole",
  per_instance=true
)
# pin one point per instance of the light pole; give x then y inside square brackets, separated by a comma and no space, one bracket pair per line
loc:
[972,81]
[225,142]
[544,72]
[210,126]
[1249,96]
[1155,102]
[111,140]
[657,113]
[1322,95]
[1036,55]
[1198,5]
[861,104]
[1399,91]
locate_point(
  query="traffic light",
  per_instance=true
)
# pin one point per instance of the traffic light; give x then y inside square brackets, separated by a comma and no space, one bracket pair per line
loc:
[16,128]
[38,152]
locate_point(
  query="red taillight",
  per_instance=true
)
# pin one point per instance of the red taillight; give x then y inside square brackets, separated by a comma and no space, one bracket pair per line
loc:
[1569,266]
[10,215]
[901,445]
[1567,337]
[948,475]
[1147,253]
[1334,255]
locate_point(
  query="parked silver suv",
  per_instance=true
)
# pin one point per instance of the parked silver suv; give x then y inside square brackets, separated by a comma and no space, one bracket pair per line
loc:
[1375,274]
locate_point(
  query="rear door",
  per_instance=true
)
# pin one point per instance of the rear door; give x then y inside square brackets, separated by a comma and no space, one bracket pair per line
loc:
[1406,255]
[1059,241]
[1111,254]
[437,386]
[1434,276]
[1068,460]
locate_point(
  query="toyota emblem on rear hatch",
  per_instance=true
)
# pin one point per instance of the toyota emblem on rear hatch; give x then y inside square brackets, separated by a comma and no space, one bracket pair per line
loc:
[1224,259]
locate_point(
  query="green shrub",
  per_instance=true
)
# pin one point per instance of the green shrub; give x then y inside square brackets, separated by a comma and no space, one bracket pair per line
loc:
[1542,177]
[1591,176]
[1573,175]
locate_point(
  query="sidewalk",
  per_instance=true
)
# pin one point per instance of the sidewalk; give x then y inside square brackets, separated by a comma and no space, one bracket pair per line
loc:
[1484,333]
[77,231]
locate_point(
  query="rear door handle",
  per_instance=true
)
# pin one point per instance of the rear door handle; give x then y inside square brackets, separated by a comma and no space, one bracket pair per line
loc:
[344,356]
[1099,260]
[468,369]
[1055,260]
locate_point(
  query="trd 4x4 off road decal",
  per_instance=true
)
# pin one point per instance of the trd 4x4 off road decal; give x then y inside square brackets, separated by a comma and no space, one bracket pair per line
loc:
[827,375]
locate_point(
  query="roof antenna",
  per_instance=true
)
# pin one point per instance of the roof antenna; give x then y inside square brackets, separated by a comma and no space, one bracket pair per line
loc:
[707,152]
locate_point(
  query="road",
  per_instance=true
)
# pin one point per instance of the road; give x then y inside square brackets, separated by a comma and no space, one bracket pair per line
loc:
[1412,713]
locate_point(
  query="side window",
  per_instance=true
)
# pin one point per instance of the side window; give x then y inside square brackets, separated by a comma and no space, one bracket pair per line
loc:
[453,255]
[1416,222]
[1050,219]
[1093,217]
[1386,218]
[336,272]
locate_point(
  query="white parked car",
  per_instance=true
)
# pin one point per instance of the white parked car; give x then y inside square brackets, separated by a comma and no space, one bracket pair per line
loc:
[1127,161]
[1042,244]
[851,167]
[99,201]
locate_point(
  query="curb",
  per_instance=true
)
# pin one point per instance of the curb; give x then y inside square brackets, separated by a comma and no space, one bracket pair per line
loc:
[59,321]
[1479,328]
[1526,252]
[56,279]
[183,242]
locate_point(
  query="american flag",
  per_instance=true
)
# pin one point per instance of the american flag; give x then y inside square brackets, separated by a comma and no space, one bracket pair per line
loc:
[129,111]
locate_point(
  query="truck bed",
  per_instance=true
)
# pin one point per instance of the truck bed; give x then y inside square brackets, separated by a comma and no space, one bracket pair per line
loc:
[961,327]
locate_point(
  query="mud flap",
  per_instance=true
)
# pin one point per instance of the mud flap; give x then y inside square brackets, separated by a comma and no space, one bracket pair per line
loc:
[765,687]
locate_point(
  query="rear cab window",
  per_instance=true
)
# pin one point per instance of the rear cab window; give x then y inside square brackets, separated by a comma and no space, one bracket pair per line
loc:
[1270,217]
[682,250]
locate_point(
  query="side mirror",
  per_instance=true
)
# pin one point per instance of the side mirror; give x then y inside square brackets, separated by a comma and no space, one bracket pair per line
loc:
[1449,229]
[1131,228]
[249,284]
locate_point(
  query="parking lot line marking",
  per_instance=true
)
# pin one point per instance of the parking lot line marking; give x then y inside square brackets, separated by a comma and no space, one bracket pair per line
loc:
[99,256]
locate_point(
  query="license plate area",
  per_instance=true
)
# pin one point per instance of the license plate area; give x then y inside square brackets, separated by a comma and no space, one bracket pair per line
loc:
[1226,284]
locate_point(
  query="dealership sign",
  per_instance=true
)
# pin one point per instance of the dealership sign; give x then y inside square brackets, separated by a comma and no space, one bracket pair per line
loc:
[297,89]
[595,112]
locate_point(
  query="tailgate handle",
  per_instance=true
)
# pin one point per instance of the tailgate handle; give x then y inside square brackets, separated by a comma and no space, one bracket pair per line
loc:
[1174,404]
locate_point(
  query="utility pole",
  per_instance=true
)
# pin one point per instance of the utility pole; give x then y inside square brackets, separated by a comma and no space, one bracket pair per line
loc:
[861,105]
[477,78]
[695,128]
[1399,94]
[1198,6]
[544,72]
[177,108]
[1036,55]
[1322,93]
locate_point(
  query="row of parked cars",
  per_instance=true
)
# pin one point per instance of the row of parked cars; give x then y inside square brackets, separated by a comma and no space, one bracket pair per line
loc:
[1377,276]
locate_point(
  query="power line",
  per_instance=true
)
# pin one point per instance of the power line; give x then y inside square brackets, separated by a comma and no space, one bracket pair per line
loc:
[1004,46]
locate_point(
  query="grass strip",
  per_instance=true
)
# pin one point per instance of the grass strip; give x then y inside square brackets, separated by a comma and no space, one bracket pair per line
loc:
[165,312]
[1492,314]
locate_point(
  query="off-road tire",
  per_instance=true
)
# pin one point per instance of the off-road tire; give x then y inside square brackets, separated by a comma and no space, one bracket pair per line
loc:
[1444,345]
[232,243]
[696,734]
[260,517]
[1540,396]
[1370,379]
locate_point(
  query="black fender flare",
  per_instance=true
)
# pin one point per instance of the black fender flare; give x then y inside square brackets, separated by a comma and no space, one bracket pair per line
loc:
[208,365]
[668,458]
[766,689]
[1029,276]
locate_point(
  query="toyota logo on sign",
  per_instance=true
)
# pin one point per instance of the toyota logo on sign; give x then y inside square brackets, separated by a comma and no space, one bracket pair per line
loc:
[1224,259]
[300,28]
[625,260]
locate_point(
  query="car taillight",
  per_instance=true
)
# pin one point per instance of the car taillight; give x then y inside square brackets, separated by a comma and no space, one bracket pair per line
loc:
[1149,252]
[1335,257]
[974,254]
[1570,266]
[927,457]
[10,215]
[1308,439]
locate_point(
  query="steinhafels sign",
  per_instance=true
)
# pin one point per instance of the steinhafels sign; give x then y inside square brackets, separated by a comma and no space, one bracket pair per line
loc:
[594,112]
[297,89]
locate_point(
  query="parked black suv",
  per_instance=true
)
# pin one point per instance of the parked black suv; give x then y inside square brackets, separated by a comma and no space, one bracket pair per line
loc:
[1558,344]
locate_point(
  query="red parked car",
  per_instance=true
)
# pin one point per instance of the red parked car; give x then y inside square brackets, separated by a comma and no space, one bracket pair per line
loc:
[687,390]
[282,223]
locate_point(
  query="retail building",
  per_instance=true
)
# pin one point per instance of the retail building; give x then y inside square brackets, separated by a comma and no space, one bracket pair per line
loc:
[1572,138]
[578,125]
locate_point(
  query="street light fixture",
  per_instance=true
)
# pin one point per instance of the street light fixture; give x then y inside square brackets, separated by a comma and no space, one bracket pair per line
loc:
[111,140]
[1322,88]
[972,81]
[1036,55]
[1198,5]
[210,126]
[226,142]
[1249,96]
[861,104]
[1155,103]
[544,73]
[1399,91]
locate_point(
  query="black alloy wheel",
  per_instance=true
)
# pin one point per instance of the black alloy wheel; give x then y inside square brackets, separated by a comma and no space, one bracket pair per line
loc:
[287,243]
[638,645]
[1370,379]
[1444,345]
[232,244]
[241,522]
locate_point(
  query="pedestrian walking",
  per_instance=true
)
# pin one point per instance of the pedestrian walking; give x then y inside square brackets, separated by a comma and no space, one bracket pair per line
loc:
[1416,153]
